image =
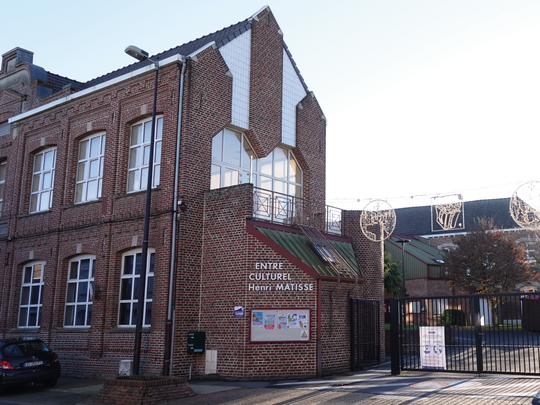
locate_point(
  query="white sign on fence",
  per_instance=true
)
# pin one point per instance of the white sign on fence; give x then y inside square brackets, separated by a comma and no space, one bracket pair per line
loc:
[432,348]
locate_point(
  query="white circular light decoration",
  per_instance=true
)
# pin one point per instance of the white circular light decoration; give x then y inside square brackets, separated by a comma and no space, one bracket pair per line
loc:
[525,205]
[378,220]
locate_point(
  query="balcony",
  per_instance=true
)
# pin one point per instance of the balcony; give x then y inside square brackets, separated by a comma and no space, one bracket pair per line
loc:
[290,210]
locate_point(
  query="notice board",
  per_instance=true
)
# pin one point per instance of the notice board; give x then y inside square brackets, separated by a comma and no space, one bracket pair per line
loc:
[280,325]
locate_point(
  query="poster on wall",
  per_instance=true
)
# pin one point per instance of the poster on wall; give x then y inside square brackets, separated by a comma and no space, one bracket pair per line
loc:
[280,325]
[432,348]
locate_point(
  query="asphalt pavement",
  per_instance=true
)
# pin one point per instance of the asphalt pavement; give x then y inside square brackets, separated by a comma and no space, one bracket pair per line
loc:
[373,386]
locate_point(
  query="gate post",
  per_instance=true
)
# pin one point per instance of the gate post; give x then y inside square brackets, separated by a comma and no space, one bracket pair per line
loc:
[394,336]
[478,334]
[353,332]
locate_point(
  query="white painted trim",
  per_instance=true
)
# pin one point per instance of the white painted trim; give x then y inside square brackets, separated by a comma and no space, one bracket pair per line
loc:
[82,93]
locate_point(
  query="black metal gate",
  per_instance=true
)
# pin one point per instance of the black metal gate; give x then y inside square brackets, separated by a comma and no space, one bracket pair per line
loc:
[365,333]
[496,333]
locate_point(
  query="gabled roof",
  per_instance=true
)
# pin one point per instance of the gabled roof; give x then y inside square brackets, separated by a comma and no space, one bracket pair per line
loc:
[296,244]
[421,251]
[417,221]
[220,37]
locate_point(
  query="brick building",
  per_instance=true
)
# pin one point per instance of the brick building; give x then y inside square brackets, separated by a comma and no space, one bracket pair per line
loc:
[241,246]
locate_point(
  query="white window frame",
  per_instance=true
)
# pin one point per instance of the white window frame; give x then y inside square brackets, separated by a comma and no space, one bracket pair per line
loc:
[440,305]
[90,168]
[41,194]
[139,149]
[226,173]
[31,299]
[80,292]
[127,315]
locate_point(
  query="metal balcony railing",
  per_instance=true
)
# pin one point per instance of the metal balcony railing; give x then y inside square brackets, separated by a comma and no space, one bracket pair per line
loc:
[290,210]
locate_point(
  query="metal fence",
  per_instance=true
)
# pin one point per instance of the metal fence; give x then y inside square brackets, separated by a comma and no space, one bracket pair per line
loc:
[496,333]
[365,333]
[290,210]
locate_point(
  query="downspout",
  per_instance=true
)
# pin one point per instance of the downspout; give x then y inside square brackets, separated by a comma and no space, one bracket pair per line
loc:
[319,319]
[169,327]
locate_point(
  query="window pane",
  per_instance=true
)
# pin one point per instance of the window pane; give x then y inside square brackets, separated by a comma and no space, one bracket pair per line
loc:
[25,295]
[71,292]
[3,172]
[159,128]
[136,134]
[126,289]
[144,179]
[247,155]
[80,315]
[32,316]
[265,165]
[230,177]
[68,316]
[157,152]
[83,150]
[150,288]
[146,158]
[34,294]
[35,182]
[27,275]
[83,292]
[147,131]
[23,313]
[81,171]
[48,160]
[79,192]
[216,177]
[148,314]
[125,310]
[94,168]
[44,203]
[280,163]
[103,138]
[231,150]
[95,146]
[37,162]
[85,269]
[92,190]
[157,172]
[37,273]
[47,181]
[33,202]
[134,157]
[128,264]
[217,145]
[294,171]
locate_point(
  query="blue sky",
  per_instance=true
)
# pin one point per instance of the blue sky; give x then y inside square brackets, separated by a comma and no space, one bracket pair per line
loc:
[423,97]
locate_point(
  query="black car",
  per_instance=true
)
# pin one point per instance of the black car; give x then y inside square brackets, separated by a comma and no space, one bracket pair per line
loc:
[27,361]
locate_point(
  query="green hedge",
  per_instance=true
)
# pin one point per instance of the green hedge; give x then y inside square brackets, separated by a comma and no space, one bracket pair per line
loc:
[452,317]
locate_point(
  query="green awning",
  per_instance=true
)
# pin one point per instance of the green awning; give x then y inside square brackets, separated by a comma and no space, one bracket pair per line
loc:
[297,245]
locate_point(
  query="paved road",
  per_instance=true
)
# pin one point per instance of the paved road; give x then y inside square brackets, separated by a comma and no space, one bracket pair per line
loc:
[374,387]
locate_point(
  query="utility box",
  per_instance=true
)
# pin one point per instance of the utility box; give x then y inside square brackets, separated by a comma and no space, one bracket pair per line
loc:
[196,342]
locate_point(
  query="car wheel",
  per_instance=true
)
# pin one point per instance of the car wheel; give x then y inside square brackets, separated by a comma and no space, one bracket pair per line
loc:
[50,383]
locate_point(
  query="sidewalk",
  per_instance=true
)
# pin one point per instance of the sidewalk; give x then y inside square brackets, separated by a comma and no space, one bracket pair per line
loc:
[373,386]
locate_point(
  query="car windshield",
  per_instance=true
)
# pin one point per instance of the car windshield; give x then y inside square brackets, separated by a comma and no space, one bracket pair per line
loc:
[24,349]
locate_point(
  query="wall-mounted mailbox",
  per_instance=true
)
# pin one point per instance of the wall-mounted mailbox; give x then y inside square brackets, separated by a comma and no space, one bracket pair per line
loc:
[196,342]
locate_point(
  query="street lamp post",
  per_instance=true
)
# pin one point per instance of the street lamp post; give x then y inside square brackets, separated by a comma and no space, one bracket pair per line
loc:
[141,55]
[402,243]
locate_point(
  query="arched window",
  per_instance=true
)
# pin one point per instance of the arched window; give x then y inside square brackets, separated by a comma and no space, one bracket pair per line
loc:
[139,154]
[31,295]
[90,168]
[129,288]
[80,291]
[234,162]
[43,180]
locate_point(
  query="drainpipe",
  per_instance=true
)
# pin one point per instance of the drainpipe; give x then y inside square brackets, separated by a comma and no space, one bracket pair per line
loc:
[319,334]
[169,328]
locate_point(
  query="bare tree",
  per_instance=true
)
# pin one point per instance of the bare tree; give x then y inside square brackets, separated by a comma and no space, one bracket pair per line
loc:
[487,260]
